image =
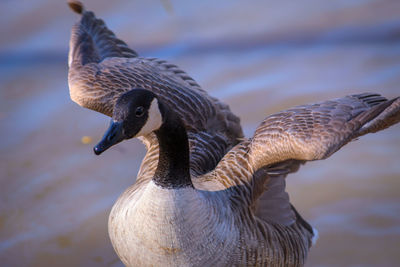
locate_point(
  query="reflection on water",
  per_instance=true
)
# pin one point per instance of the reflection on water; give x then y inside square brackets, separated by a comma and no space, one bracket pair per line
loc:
[260,58]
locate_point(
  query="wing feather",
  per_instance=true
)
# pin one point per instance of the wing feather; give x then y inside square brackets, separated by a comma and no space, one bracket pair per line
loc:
[288,139]
[102,67]
[313,132]
[91,41]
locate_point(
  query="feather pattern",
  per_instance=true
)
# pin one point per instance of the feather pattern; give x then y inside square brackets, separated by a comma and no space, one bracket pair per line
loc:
[102,67]
[238,212]
[285,140]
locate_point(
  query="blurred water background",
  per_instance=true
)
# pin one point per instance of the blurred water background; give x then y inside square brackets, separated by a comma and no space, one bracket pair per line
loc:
[258,56]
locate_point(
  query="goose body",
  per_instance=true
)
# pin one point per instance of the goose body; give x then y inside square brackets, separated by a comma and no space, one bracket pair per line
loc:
[190,227]
[190,220]
[175,220]
[204,195]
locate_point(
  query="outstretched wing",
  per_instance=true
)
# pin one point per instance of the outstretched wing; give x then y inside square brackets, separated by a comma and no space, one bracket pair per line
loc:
[287,139]
[102,67]
[313,132]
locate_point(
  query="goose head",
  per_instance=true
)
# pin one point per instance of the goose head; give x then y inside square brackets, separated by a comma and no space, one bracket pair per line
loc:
[136,113]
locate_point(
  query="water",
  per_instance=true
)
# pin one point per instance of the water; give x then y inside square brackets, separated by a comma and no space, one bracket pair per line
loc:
[260,58]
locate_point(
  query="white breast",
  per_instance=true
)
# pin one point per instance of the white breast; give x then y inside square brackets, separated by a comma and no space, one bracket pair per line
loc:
[170,227]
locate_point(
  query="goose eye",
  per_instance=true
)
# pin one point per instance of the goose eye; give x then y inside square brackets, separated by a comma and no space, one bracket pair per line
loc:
[139,111]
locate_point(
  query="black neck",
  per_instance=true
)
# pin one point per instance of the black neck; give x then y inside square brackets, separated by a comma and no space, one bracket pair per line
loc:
[173,164]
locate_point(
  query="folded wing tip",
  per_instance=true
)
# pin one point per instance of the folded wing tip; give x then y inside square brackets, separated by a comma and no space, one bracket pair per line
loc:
[76,6]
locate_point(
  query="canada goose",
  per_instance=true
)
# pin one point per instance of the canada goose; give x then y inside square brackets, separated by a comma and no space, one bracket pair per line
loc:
[173,219]
[188,206]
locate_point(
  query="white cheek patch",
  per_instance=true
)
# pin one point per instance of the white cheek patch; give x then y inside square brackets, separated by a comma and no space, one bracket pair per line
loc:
[154,119]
